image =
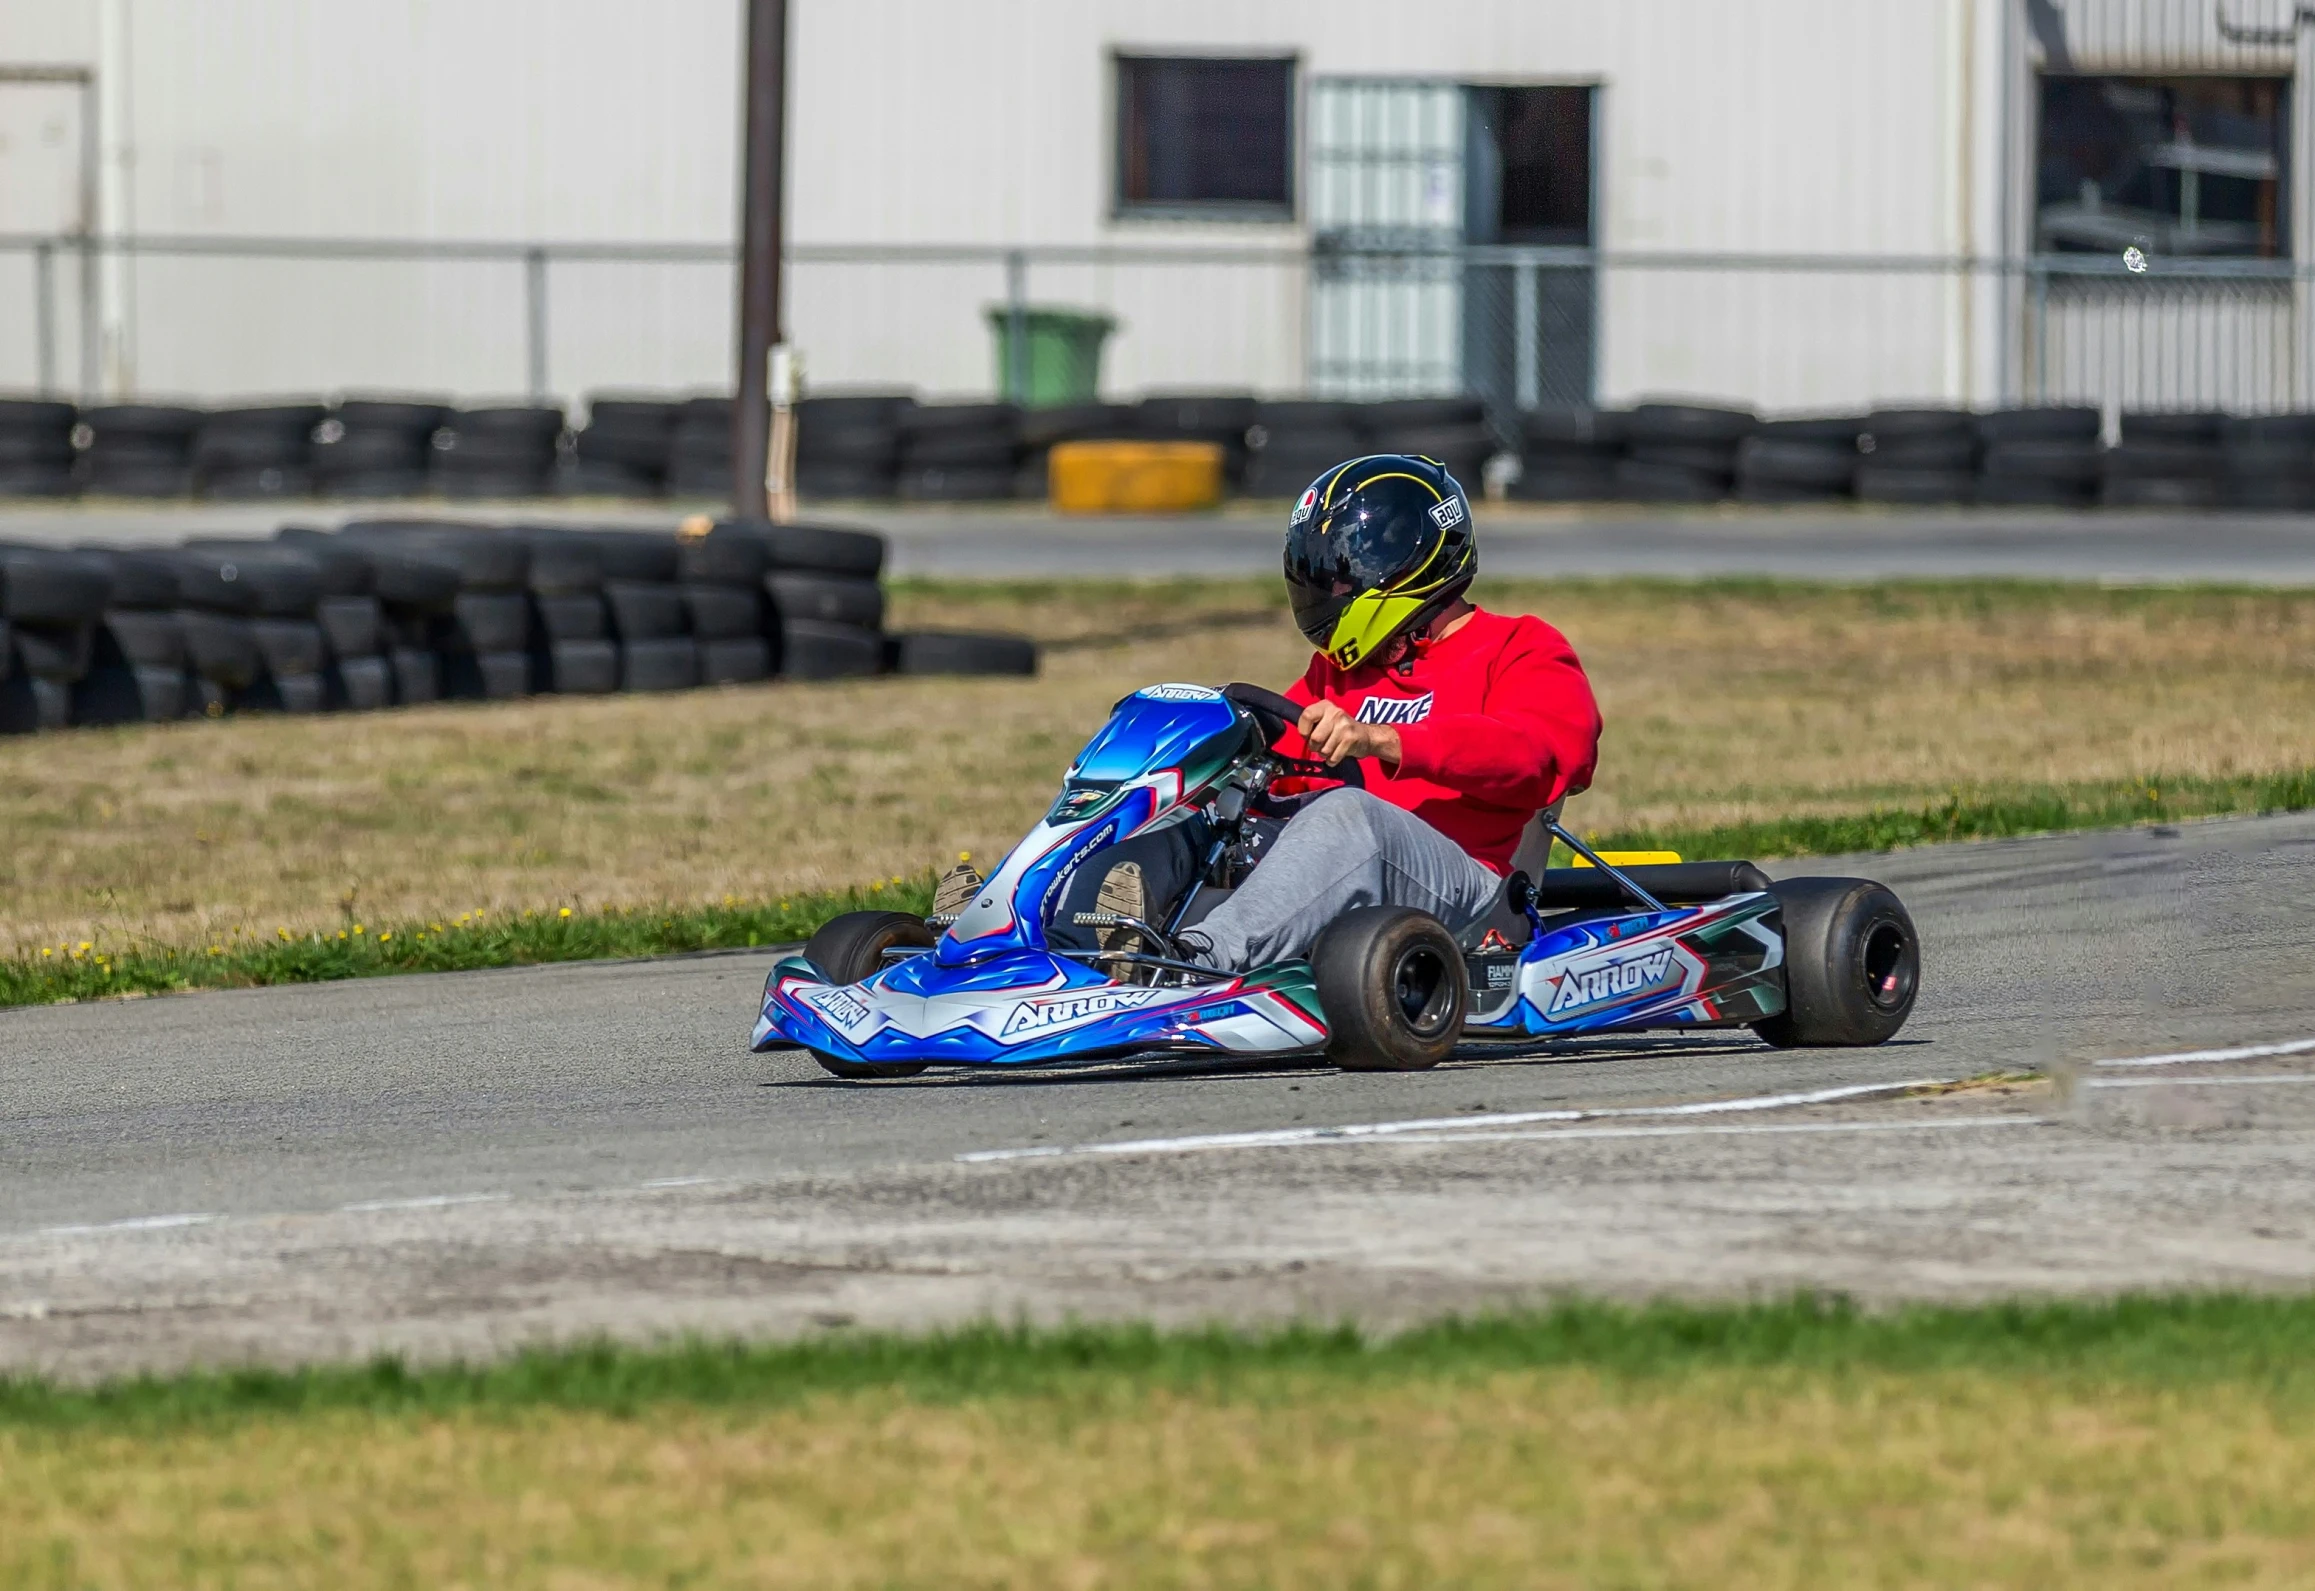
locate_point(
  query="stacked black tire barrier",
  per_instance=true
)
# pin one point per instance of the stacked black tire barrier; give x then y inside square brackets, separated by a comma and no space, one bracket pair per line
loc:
[50,604]
[378,447]
[249,454]
[1042,430]
[357,674]
[699,451]
[1811,460]
[1291,441]
[36,450]
[1681,452]
[1920,456]
[823,587]
[2164,460]
[2050,457]
[507,451]
[479,633]
[248,611]
[137,450]
[138,663]
[958,452]
[1454,431]
[572,652]
[1568,455]
[388,612]
[626,448]
[848,443]
[883,444]
[1223,418]
[2269,461]
[721,578]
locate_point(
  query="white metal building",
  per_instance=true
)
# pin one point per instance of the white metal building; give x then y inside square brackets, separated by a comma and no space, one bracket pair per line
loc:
[1795,203]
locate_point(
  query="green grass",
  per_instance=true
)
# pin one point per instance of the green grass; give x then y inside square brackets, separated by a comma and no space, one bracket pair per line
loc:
[89,971]
[1987,815]
[2172,1341]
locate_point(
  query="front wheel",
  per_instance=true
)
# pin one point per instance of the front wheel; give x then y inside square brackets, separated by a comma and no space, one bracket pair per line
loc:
[1852,963]
[1391,984]
[850,948]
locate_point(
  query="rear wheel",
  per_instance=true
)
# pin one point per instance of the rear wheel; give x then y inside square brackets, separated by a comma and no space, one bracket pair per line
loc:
[850,948]
[1391,984]
[1852,963]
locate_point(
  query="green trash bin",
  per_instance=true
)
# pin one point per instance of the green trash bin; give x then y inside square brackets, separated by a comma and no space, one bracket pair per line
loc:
[1062,363]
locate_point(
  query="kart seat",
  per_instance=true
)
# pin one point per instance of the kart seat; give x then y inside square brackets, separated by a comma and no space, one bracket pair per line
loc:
[1505,915]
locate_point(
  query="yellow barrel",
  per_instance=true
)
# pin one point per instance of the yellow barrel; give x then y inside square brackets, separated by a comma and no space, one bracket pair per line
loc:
[1134,477]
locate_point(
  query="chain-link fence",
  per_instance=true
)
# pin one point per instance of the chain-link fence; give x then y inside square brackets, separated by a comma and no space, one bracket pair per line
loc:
[1520,326]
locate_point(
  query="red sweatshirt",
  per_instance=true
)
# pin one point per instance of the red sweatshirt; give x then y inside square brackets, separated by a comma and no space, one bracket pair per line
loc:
[1495,723]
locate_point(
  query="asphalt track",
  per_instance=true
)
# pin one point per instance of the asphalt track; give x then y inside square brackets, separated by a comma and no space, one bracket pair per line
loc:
[446,1165]
[1014,542]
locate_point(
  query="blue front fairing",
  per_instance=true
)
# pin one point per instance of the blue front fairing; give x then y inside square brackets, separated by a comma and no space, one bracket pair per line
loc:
[1158,728]
[992,992]
[1026,1007]
[1161,751]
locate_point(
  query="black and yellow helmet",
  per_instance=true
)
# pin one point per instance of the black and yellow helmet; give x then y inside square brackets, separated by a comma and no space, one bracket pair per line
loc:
[1375,547]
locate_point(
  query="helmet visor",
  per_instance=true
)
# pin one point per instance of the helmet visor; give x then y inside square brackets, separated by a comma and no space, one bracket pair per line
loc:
[1358,547]
[1317,609]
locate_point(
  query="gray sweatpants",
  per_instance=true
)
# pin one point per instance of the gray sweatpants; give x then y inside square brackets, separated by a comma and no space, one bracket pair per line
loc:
[1345,849]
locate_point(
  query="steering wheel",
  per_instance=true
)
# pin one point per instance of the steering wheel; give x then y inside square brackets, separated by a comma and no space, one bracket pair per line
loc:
[1277,714]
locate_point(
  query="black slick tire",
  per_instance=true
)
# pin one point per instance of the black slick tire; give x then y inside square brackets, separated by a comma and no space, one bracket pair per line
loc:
[812,649]
[850,948]
[832,599]
[960,652]
[1852,963]
[580,668]
[742,660]
[662,665]
[1391,983]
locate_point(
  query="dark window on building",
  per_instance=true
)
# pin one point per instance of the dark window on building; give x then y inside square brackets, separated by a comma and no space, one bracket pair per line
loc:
[1545,138]
[1205,136]
[1528,165]
[2175,165]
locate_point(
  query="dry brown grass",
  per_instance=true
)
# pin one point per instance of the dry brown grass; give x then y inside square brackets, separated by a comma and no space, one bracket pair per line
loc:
[1721,1478]
[1724,703]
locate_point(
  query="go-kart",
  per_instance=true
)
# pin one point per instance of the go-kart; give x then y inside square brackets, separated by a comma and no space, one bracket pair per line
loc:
[1593,948]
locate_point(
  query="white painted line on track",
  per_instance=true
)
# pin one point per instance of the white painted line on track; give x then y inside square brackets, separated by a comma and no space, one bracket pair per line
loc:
[1749,1130]
[675,1182]
[2247,1052]
[430,1201]
[1281,1136]
[135,1223]
[2199,1082]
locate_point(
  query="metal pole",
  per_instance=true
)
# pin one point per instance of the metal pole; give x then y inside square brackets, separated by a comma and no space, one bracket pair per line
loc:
[2041,332]
[91,222]
[44,312]
[535,323]
[534,293]
[1016,327]
[759,306]
[1528,382]
[91,320]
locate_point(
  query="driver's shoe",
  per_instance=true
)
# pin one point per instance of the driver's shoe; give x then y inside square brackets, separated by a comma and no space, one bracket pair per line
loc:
[1123,894]
[956,890]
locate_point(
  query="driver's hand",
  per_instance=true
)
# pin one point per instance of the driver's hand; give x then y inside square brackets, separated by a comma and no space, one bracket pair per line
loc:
[1334,736]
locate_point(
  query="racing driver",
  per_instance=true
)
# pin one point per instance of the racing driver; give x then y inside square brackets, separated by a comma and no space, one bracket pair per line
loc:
[1465,723]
